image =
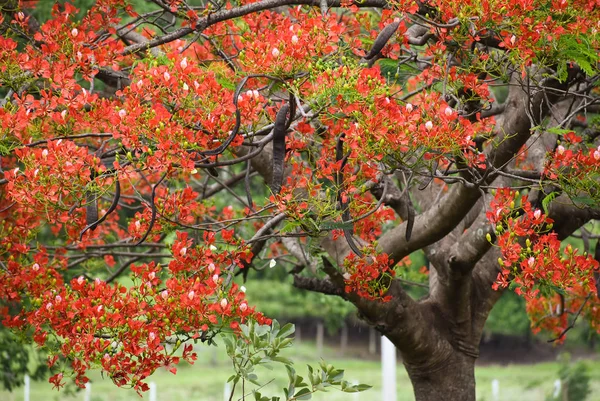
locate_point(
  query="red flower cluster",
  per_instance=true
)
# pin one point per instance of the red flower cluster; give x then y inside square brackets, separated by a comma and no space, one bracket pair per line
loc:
[533,261]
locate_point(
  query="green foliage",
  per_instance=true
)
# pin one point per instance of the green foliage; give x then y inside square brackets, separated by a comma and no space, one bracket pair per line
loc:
[576,49]
[16,361]
[575,379]
[508,316]
[260,345]
[278,298]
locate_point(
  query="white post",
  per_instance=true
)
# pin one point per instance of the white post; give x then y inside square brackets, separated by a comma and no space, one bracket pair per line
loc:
[557,388]
[87,396]
[388,368]
[495,390]
[320,339]
[344,340]
[227,391]
[152,386]
[372,341]
[26,389]
[357,394]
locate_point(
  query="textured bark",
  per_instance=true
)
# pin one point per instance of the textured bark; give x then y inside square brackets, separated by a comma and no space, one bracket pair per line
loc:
[452,381]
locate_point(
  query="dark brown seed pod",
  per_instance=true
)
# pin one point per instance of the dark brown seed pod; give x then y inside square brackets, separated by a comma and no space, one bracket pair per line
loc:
[597,274]
[382,39]
[339,178]
[410,219]
[153,207]
[279,131]
[292,111]
[91,210]
[111,209]
[339,155]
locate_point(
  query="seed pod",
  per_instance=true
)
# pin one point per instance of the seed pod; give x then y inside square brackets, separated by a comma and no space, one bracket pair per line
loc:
[91,210]
[410,219]
[279,131]
[339,155]
[597,274]
[382,39]
[111,209]
[154,211]
[339,178]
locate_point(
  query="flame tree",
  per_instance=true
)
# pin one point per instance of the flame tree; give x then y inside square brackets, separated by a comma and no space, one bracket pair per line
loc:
[180,142]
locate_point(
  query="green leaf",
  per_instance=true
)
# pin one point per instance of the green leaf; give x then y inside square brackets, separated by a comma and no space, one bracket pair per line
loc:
[253,378]
[300,382]
[291,373]
[229,347]
[335,376]
[547,199]
[225,83]
[287,330]
[303,394]
[558,131]
[363,387]
[245,330]
[261,331]
[283,360]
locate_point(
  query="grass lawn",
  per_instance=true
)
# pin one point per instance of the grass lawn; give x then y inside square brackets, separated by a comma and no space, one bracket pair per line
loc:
[205,381]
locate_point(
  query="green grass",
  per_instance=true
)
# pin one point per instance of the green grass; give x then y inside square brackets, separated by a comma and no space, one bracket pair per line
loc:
[205,381]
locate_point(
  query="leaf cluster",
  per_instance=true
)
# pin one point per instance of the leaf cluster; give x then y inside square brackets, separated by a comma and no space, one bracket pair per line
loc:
[260,345]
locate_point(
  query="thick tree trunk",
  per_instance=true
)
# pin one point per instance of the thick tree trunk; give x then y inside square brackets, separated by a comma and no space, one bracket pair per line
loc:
[454,380]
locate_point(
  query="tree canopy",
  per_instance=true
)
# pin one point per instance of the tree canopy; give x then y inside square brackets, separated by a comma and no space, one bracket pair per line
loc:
[151,151]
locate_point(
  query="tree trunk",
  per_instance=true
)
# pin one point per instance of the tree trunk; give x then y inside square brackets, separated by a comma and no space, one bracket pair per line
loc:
[453,381]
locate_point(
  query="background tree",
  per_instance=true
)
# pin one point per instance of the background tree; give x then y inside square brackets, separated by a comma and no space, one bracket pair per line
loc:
[463,129]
